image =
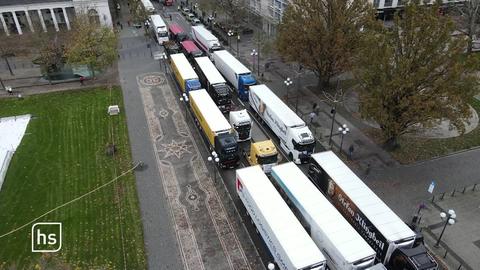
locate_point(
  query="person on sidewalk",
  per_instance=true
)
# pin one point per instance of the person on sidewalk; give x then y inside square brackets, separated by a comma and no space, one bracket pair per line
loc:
[82,79]
[350,151]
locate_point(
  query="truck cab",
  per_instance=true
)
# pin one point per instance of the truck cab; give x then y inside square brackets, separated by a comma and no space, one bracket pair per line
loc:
[227,149]
[244,82]
[416,258]
[220,93]
[263,153]
[242,125]
[300,144]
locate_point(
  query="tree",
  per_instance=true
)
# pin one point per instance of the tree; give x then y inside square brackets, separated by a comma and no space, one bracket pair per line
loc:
[469,13]
[51,55]
[91,44]
[234,9]
[322,35]
[414,73]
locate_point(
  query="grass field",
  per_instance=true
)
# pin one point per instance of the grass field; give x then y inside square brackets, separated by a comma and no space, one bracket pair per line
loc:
[62,156]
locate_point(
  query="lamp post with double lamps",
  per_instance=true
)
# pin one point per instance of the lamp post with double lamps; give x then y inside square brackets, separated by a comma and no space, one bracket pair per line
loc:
[449,218]
[185,99]
[214,160]
[287,83]
[230,34]
[253,54]
[343,131]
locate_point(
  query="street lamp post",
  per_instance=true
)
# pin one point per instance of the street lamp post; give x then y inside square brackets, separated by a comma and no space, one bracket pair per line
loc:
[333,112]
[185,99]
[343,131]
[238,40]
[253,54]
[214,160]
[449,219]
[287,83]
[230,34]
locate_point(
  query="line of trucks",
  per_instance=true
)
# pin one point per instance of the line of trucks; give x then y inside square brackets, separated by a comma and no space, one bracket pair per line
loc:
[219,73]
[347,225]
[327,220]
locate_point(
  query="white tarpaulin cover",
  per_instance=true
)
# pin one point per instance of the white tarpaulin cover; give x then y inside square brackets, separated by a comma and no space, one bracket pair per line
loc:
[12,130]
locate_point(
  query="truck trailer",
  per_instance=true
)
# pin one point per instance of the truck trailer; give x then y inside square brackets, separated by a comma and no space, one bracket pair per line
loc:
[393,241]
[296,139]
[215,84]
[186,77]
[215,127]
[158,28]
[242,125]
[235,72]
[205,39]
[282,233]
[341,244]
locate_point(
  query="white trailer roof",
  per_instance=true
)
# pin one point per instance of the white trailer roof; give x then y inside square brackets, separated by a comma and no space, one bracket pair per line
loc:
[157,21]
[209,110]
[321,214]
[202,31]
[283,112]
[183,66]
[298,245]
[232,62]
[374,209]
[210,71]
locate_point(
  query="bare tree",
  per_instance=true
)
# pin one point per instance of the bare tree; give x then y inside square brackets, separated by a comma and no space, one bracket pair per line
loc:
[469,13]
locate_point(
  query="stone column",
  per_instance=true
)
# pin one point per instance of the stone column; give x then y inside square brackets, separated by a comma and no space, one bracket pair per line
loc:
[4,24]
[39,11]
[17,24]
[54,17]
[66,18]
[29,21]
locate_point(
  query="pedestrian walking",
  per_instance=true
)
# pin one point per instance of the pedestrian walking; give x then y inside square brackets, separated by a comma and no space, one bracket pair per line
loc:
[128,23]
[350,151]
[82,79]
[121,26]
[312,116]
[367,171]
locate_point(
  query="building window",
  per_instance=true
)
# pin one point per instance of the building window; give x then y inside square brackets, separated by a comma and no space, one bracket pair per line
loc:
[388,3]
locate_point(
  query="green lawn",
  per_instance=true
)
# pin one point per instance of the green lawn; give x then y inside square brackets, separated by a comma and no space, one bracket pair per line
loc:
[414,149]
[62,156]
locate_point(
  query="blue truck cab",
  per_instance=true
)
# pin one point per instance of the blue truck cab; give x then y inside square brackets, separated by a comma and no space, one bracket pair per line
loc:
[244,83]
[192,84]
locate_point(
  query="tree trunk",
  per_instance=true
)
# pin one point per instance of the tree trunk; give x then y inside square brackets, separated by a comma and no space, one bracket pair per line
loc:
[8,65]
[93,71]
[391,143]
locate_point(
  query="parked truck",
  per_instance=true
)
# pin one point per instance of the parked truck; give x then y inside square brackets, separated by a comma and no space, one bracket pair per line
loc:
[215,128]
[284,236]
[395,244]
[242,125]
[184,74]
[341,244]
[295,137]
[205,39]
[235,72]
[215,84]
[263,153]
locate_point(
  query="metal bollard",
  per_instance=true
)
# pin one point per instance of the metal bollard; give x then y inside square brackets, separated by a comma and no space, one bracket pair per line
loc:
[474,186]
[453,193]
[463,191]
[460,266]
[433,198]
[443,194]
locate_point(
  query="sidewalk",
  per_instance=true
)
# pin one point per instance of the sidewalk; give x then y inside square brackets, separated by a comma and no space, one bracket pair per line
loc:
[366,156]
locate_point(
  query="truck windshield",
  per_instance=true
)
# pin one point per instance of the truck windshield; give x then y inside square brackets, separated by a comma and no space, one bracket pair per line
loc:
[303,147]
[243,126]
[267,159]
[162,33]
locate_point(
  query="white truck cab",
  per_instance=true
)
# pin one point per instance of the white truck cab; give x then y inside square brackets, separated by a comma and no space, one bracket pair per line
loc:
[242,125]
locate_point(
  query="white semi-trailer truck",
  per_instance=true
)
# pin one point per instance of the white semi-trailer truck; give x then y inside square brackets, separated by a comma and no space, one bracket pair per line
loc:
[395,243]
[296,139]
[286,239]
[236,73]
[342,246]
[205,39]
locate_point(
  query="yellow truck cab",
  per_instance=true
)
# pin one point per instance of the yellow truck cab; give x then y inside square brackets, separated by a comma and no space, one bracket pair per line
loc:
[263,153]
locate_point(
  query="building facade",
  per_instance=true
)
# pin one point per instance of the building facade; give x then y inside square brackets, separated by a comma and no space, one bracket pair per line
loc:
[270,13]
[20,16]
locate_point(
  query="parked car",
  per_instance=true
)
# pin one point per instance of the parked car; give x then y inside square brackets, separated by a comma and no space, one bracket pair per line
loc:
[185,11]
[190,17]
[196,21]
